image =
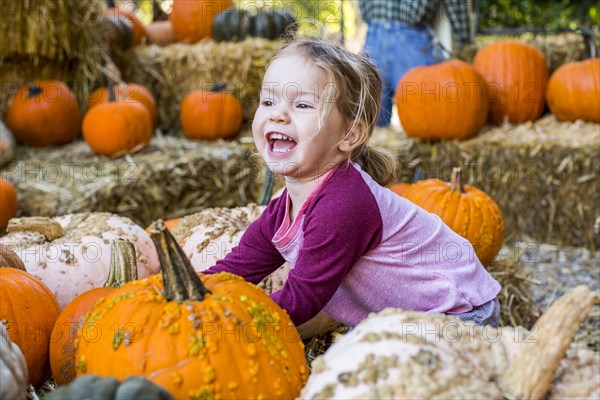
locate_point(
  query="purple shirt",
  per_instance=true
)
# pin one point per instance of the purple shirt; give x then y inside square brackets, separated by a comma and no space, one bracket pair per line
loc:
[356,247]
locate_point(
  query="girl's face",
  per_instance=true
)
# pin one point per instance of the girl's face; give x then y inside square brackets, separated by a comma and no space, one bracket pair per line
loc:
[284,126]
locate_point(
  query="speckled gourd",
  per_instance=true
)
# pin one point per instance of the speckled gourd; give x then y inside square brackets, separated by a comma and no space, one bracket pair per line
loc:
[14,376]
[208,236]
[413,355]
[198,336]
[71,253]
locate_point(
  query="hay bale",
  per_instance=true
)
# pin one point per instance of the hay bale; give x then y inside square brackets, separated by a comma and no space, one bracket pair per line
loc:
[50,39]
[558,49]
[171,72]
[170,178]
[542,174]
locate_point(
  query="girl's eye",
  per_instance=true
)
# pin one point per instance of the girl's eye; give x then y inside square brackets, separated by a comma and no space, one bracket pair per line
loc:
[266,103]
[303,105]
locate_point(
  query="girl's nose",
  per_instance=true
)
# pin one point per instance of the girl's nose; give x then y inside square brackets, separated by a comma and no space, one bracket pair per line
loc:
[279,114]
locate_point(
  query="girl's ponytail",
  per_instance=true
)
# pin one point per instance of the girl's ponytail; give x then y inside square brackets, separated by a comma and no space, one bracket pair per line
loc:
[376,162]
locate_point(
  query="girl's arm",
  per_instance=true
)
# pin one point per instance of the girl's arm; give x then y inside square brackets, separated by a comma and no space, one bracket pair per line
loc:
[335,237]
[255,256]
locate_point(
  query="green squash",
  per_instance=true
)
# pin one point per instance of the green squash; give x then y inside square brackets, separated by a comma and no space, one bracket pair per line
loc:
[98,388]
[231,25]
[235,24]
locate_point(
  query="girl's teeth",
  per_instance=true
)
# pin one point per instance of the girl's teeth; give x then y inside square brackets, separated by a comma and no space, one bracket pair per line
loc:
[281,150]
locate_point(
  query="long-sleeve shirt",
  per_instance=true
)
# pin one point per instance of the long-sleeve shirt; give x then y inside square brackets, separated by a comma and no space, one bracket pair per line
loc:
[461,13]
[356,247]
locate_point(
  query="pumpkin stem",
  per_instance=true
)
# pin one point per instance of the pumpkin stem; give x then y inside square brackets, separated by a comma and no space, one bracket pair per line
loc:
[34,90]
[123,263]
[111,91]
[456,183]
[219,86]
[532,368]
[44,225]
[180,281]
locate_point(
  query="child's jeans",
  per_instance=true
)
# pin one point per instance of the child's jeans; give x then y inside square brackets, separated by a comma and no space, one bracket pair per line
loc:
[485,314]
[396,47]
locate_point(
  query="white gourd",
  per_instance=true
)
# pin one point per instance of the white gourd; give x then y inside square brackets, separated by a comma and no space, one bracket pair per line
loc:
[13,369]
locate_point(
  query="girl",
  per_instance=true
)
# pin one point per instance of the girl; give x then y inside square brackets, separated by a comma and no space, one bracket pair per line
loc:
[354,246]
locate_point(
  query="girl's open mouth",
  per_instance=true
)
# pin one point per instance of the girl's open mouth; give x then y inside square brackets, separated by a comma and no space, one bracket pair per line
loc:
[280,144]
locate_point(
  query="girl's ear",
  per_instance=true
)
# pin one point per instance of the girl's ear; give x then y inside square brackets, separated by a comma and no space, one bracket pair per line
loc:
[353,139]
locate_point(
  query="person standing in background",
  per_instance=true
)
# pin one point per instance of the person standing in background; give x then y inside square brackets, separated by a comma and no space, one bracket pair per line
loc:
[400,36]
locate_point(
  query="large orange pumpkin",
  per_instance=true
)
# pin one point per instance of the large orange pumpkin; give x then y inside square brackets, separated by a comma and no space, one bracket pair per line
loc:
[467,210]
[8,202]
[125,93]
[516,76]
[442,101]
[192,20]
[44,113]
[214,337]
[30,310]
[114,128]
[123,269]
[211,115]
[574,91]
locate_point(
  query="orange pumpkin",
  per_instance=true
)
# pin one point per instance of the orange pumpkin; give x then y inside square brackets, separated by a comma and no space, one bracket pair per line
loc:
[468,211]
[8,202]
[192,20]
[401,188]
[516,76]
[123,269]
[211,115]
[138,28]
[125,93]
[30,310]
[213,336]
[574,91]
[44,113]
[114,128]
[442,101]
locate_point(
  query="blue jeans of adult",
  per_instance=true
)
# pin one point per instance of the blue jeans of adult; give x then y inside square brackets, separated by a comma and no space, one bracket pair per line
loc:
[395,48]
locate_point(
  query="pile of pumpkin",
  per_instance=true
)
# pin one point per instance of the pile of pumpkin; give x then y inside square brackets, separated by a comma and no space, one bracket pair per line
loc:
[210,336]
[508,81]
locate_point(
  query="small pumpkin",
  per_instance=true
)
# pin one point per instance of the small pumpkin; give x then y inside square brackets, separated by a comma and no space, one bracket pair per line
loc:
[442,101]
[123,269]
[7,145]
[211,115]
[202,324]
[468,211]
[414,355]
[71,253]
[574,91]
[191,20]
[516,76]
[237,24]
[44,113]
[132,388]
[29,310]
[122,14]
[8,202]
[126,93]
[114,128]
[160,33]
[13,368]
[10,259]
[271,23]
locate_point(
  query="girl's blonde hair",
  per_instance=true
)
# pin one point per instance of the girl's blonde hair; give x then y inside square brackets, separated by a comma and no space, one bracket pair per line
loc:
[354,86]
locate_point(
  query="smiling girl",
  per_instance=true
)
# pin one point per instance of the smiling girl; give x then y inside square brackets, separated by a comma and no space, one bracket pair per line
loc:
[354,246]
